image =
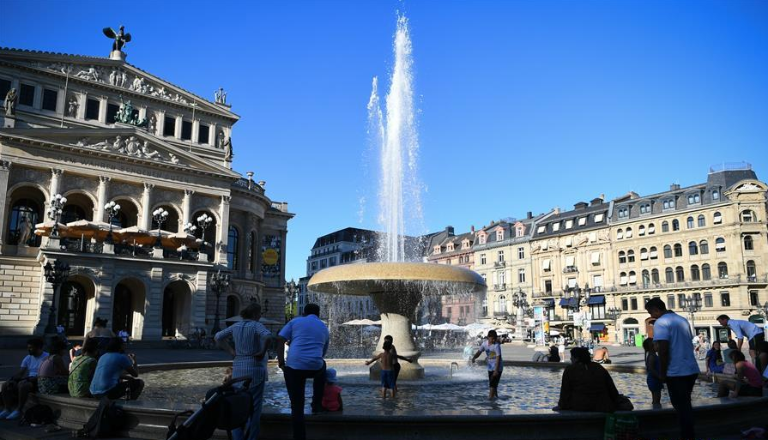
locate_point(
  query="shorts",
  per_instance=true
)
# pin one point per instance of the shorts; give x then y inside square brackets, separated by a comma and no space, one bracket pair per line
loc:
[493,382]
[388,379]
[654,384]
[756,340]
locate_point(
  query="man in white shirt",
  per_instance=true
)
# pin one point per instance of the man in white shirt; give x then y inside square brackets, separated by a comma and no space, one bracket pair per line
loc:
[673,341]
[744,330]
[17,388]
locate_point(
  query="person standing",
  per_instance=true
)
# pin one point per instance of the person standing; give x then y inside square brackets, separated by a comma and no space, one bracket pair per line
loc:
[678,367]
[492,349]
[744,330]
[308,338]
[251,341]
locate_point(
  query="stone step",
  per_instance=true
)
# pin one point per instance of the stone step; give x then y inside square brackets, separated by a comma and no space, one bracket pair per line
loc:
[10,430]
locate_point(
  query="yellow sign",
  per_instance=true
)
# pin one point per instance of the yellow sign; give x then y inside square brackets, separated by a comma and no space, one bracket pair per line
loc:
[270,257]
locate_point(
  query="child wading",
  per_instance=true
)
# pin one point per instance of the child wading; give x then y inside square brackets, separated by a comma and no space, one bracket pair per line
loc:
[386,360]
[332,393]
[492,349]
[653,371]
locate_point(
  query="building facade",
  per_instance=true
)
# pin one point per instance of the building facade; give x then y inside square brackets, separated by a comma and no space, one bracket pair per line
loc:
[456,250]
[99,130]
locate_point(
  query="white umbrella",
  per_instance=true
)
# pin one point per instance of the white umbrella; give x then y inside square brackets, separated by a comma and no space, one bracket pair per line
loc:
[554,332]
[362,322]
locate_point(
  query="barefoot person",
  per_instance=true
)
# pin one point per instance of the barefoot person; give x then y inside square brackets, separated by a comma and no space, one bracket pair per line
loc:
[386,361]
[746,381]
[492,349]
[395,357]
[652,372]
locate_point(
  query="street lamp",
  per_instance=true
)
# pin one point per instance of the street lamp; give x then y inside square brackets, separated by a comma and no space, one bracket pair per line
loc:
[219,283]
[575,293]
[520,301]
[160,215]
[691,304]
[613,313]
[55,274]
[203,222]
[54,213]
[291,289]
[112,209]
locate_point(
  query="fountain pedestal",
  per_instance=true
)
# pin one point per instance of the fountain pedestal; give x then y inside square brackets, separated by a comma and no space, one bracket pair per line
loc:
[396,309]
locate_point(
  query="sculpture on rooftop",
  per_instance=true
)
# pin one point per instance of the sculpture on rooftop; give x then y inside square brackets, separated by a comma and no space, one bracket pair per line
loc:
[10,102]
[221,96]
[120,37]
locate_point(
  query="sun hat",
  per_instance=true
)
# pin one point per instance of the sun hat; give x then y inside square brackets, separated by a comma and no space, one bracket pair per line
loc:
[330,375]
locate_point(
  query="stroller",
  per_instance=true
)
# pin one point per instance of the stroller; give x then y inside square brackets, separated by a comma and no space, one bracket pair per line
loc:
[225,407]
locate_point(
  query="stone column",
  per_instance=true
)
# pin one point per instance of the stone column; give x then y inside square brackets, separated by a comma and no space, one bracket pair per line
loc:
[195,130]
[55,183]
[221,242]
[159,126]
[146,213]
[259,238]
[101,198]
[61,101]
[178,127]
[103,109]
[186,206]
[82,101]
[5,173]
[212,136]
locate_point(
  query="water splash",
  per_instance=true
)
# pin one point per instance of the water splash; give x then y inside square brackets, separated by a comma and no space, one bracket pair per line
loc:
[397,138]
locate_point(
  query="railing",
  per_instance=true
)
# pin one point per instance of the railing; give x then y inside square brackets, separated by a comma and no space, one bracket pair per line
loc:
[249,185]
[280,206]
[87,247]
[570,269]
[498,287]
[499,264]
[690,284]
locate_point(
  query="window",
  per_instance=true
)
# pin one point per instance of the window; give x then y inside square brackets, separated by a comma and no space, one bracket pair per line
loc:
[694,199]
[481,238]
[251,250]
[232,248]
[665,226]
[49,99]
[619,234]
[634,303]
[521,275]
[27,95]
[500,257]
[598,218]
[622,257]
[693,248]
[748,244]
[92,109]
[646,278]
[628,233]
[689,223]
[630,256]
[641,230]
[482,259]
[436,250]
[695,274]
[5,87]
[706,273]
[722,270]
[675,225]
[720,244]
[680,274]
[541,229]
[568,224]
[546,265]
[645,208]
[519,232]
[708,299]
[186,130]
[681,300]
[703,247]
[597,283]
[623,212]
[203,132]
[753,298]
[24,208]
[556,226]
[715,194]
[670,302]
[651,229]
[331,261]
[702,220]
[667,251]
[169,126]
[112,110]
[582,221]
[654,253]
[520,253]
[632,278]
[643,254]
[624,304]
[748,216]
[548,286]
[751,271]
[668,204]
[655,276]
[717,218]
[623,279]
[314,265]
[725,299]
[669,275]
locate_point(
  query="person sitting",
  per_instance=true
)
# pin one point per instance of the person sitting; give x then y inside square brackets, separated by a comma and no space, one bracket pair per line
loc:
[586,385]
[81,370]
[554,354]
[601,355]
[16,389]
[714,359]
[106,379]
[102,334]
[53,373]
[728,367]
[332,394]
[747,381]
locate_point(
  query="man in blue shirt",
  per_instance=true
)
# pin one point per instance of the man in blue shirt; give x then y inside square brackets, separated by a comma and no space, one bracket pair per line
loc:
[106,379]
[672,338]
[744,330]
[307,338]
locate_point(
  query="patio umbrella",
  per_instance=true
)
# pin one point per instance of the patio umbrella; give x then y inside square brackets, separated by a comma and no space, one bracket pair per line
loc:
[169,239]
[362,323]
[88,229]
[44,229]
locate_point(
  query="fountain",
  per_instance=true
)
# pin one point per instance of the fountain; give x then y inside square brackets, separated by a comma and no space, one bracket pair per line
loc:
[397,286]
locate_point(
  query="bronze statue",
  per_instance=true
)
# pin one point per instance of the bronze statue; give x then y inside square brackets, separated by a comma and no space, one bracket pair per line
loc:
[120,37]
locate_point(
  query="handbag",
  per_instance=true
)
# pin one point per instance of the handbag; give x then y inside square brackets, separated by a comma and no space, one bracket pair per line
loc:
[624,404]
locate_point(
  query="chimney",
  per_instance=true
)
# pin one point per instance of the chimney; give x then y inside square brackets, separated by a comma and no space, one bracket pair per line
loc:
[529,215]
[580,205]
[449,230]
[472,229]
[597,200]
[674,187]
[557,210]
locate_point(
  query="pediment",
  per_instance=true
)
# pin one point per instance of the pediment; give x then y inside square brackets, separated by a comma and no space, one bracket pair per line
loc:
[128,143]
[121,76]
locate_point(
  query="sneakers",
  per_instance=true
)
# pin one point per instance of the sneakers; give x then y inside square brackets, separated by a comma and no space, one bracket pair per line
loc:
[14,415]
[4,414]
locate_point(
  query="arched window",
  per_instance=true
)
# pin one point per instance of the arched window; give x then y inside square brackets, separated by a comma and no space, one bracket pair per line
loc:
[646,278]
[628,233]
[703,247]
[675,225]
[717,218]
[751,271]
[623,279]
[72,213]
[641,230]
[693,249]
[622,257]
[632,278]
[25,213]
[748,216]
[722,270]
[665,226]
[651,229]
[127,216]
[680,274]
[670,275]
[748,244]
[630,256]
[695,275]
[643,254]
[232,248]
[689,223]
[619,234]
[654,253]
[667,251]
[702,221]
[678,250]
[655,276]
[706,273]
[720,244]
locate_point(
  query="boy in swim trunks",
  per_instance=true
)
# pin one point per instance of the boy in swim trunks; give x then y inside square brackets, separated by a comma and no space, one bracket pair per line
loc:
[492,349]
[386,360]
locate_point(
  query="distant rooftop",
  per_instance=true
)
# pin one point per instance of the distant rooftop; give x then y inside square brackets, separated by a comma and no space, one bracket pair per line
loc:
[730,166]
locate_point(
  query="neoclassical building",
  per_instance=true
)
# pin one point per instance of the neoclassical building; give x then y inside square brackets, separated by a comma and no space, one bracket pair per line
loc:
[100,130]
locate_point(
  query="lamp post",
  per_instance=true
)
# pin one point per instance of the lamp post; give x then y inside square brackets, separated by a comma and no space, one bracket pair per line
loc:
[219,283]
[613,313]
[112,209]
[692,304]
[54,213]
[55,274]
[160,215]
[578,294]
[520,301]
[203,222]
[291,289]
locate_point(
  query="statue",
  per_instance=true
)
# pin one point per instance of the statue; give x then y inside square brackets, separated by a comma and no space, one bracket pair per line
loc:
[226,144]
[120,38]
[10,102]
[132,146]
[147,152]
[72,107]
[221,96]
[123,78]
[117,146]
[173,158]
[91,74]
[113,75]
[152,124]
[24,230]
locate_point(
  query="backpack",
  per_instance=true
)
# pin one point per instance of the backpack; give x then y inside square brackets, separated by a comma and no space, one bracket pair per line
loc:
[107,421]
[37,415]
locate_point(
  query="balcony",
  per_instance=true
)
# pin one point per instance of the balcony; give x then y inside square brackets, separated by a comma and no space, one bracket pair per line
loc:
[499,287]
[714,282]
[500,315]
[570,269]
[87,247]
[499,264]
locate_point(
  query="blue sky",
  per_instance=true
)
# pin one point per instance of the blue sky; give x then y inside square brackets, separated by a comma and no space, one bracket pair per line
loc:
[523,105]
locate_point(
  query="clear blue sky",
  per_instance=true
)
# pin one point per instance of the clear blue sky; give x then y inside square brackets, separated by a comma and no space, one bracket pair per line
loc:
[523,105]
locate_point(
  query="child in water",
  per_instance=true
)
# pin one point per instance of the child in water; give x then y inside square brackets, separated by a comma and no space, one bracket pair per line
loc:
[492,349]
[386,360]
[332,393]
[653,371]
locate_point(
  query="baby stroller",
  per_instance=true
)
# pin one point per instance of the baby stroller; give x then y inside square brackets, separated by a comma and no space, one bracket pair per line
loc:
[226,407]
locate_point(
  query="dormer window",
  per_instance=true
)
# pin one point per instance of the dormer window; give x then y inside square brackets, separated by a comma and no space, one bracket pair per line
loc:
[481,238]
[624,212]
[541,229]
[499,234]
[519,231]
[715,194]
[694,199]
[668,204]
[645,208]
[598,218]
[449,248]
[582,221]
[465,244]
[568,224]
[437,250]
[556,226]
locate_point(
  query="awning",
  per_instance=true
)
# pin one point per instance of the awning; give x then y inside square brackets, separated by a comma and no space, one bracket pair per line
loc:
[595,300]
[569,303]
[546,264]
[573,303]
[569,241]
[570,261]
[563,302]
[597,327]
[595,257]
[549,303]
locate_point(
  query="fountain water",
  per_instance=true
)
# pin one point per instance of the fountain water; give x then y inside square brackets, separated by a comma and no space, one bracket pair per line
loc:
[396,286]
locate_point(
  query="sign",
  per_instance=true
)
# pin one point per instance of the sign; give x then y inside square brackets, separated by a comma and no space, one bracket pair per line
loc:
[270,257]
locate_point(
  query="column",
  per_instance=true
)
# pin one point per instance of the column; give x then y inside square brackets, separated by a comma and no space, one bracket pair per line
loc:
[146,214]
[178,127]
[195,130]
[5,173]
[186,207]
[159,126]
[82,101]
[259,238]
[101,196]
[283,246]
[213,136]
[61,101]
[55,183]
[221,242]
[103,109]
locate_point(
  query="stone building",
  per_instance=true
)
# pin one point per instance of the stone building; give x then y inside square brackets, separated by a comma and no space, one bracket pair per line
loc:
[456,250]
[98,130]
